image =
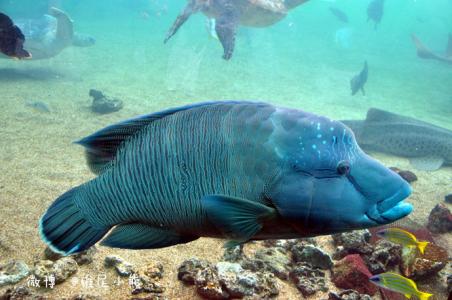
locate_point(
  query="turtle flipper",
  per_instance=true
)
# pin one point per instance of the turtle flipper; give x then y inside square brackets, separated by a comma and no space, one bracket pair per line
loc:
[65,28]
[191,8]
[226,28]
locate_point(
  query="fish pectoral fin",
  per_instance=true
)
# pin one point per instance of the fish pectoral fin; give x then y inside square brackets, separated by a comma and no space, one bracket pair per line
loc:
[408,296]
[237,218]
[427,163]
[144,236]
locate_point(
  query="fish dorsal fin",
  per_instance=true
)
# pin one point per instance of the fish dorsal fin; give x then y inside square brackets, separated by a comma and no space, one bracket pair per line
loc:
[375,115]
[449,47]
[379,115]
[101,147]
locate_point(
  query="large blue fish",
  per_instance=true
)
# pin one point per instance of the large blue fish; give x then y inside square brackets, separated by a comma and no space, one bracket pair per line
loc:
[236,170]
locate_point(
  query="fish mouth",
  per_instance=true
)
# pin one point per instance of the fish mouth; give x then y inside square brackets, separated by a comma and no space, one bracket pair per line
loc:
[392,208]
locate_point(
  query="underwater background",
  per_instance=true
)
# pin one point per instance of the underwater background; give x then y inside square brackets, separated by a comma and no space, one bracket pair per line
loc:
[305,61]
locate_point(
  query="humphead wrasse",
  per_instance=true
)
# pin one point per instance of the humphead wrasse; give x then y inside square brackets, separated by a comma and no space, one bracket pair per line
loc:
[236,170]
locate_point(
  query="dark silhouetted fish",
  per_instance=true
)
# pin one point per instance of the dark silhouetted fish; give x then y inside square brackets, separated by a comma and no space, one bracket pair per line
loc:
[427,146]
[236,170]
[11,39]
[425,53]
[375,11]
[357,83]
[340,15]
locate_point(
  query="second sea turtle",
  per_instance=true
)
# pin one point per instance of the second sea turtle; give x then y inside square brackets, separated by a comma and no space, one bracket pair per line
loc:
[229,14]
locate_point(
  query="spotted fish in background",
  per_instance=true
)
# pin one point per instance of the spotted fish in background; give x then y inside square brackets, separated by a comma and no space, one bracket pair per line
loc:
[236,170]
[427,146]
[11,39]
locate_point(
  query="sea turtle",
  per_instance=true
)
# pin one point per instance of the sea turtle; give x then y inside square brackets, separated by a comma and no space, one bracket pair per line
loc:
[231,13]
[47,36]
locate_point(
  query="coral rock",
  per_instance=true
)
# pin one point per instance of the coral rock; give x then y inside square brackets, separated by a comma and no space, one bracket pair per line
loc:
[61,269]
[390,295]
[227,280]
[13,272]
[145,284]
[122,267]
[82,258]
[273,260]
[208,285]
[308,279]
[352,273]
[354,242]
[348,295]
[385,255]
[314,256]
[440,219]
[233,254]
[189,269]
[420,266]
[86,297]
[21,293]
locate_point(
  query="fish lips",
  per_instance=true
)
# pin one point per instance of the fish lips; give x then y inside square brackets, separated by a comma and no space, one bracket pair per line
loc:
[391,208]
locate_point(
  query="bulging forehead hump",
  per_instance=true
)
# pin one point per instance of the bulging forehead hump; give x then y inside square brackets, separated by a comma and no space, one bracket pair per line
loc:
[308,137]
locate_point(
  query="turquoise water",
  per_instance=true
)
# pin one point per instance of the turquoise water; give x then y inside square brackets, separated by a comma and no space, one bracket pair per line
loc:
[305,61]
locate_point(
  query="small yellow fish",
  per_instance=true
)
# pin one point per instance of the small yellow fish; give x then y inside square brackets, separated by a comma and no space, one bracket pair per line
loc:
[400,284]
[403,237]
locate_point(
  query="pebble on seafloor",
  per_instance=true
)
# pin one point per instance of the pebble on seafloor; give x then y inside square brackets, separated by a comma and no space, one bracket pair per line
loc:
[12,272]
[405,174]
[122,267]
[440,219]
[352,273]
[354,242]
[61,269]
[103,104]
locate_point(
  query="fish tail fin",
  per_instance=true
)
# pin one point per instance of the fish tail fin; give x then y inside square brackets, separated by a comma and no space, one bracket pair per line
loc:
[64,227]
[421,246]
[424,296]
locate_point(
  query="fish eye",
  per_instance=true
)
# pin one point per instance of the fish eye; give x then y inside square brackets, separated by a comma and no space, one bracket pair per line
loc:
[343,167]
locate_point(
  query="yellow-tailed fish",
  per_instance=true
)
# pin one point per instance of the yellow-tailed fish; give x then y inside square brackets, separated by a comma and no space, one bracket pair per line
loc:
[400,284]
[403,237]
